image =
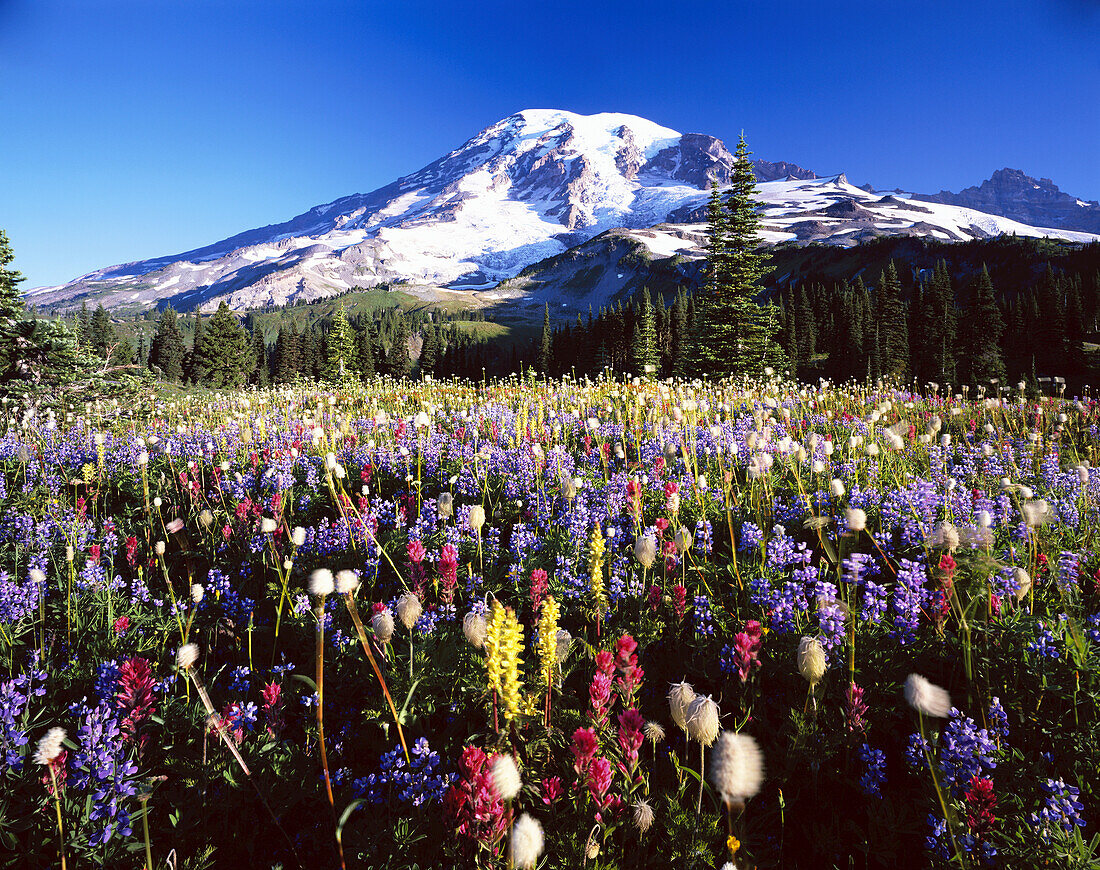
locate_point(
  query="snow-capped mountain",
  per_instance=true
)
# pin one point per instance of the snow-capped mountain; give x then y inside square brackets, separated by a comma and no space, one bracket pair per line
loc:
[1036,201]
[529,187]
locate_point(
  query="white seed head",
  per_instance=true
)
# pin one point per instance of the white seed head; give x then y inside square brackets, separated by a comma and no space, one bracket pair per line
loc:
[37,576]
[158,547]
[174,526]
[654,731]
[927,698]
[321,582]
[382,623]
[736,768]
[50,746]
[477,518]
[268,525]
[811,660]
[643,815]
[206,519]
[836,487]
[298,536]
[680,696]
[1023,582]
[946,537]
[346,581]
[187,655]
[445,505]
[702,720]
[506,778]
[857,519]
[683,539]
[1036,512]
[645,551]
[197,592]
[409,609]
[475,628]
[564,642]
[527,842]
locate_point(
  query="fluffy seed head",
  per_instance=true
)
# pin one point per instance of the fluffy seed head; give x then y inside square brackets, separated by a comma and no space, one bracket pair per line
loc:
[321,582]
[526,842]
[382,623]
[683,539]
[268,525]
[643,815]
[946,537]
[506,779]
[836,487]
[477,518]
[680,696]
[475,628]
[49,747]
[197,592]
[702,720]
[298,536]
[857,519]
[409,609]
[645,551]
[564,643]
[736,768]
[445,505]
[1023,582]
[654,732]
[187,655]
[175,526]
[1036,512]
[346,581]
[811,660]
[927,698]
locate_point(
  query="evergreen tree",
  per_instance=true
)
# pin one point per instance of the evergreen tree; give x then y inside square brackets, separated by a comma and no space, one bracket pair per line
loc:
[939,327]
[733,333]
[101,334]
[224,359]
[397,360]
[83,326]
[286,354]
[196,339]
[644,352]
[341,356]
[983,353]
[678,354]
[893,329]
[542,362]
[368,351]
[260,374]
[807,333]
[307,355]
[429,350]
[167,352]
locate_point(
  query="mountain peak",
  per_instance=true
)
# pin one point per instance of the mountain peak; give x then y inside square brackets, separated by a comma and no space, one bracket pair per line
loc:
[1014,194]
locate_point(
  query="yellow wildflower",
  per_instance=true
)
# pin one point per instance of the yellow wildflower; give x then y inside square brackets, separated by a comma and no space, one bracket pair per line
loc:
[548,638]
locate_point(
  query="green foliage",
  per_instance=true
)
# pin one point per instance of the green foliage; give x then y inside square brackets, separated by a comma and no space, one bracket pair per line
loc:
[167,349]
[224,358]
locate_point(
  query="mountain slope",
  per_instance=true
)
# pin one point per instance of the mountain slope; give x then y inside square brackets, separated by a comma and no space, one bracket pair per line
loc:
[1039,202]
[530,187]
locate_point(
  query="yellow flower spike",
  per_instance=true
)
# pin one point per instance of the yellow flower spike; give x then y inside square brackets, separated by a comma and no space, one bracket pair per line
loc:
[511,643]
[548,639]
[493,631]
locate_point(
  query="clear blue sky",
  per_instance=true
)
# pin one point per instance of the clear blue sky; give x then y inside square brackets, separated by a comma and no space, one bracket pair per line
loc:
[136,129]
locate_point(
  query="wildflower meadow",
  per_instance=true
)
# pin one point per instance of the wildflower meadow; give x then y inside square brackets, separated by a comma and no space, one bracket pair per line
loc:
[563,624]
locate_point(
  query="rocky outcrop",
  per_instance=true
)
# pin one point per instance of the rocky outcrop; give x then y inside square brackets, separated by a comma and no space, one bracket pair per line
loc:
[1014,194]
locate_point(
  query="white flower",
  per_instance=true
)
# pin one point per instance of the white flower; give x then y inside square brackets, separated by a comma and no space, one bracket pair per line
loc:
[702,720]
[187,655]
[268,525]
[836,487]
[526,842]
[946,537]
[1036,512]
[321,582]
[926,698]
[1023,582]
[158,547]
[736,768]
[49,747]
[206,519]
[506,778]
[175,526]
[197,592]
[298,536]
[346,581]
[683,539]
[409,609]
[811,660]
[477,518]
[37,576]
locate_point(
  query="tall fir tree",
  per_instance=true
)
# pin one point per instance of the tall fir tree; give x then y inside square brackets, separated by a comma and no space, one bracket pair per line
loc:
[261,375]
[224,359]
[542,361]
[101,333]
[940,327]
[398,363]
[644,352]
[429,349]
[341,354]
[983,352]
[167,350]
[893,328]
[733,334]
[286,354]
[368,350]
